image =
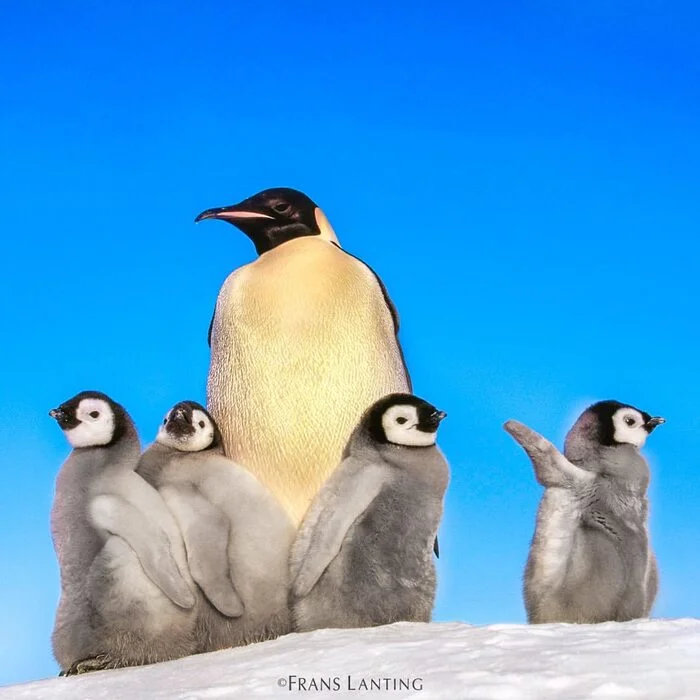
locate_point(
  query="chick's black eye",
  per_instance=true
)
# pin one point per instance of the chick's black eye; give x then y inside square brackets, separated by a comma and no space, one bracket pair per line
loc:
[401,420]
[201,423]
[165,420]
[629,420]
[94,414]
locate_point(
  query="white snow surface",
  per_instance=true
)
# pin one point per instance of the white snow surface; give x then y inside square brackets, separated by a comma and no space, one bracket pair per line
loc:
[639,659]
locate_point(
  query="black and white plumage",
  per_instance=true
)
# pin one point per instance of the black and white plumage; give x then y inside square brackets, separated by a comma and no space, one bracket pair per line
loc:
[236,534]
[126,594]
[363,553]
[591,558]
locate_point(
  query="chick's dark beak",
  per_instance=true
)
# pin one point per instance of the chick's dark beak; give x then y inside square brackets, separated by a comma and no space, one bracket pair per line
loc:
[178,418]
[61,417]
[654,422]
[432,422]
[179,423]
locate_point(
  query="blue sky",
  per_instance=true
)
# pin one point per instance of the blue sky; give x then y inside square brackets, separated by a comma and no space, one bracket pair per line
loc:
[525,181]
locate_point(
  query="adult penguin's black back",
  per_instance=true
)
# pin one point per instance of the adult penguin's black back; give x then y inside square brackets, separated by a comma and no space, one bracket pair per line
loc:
[303,341]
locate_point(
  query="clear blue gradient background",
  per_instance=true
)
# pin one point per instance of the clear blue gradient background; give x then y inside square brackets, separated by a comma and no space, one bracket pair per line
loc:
[524,179]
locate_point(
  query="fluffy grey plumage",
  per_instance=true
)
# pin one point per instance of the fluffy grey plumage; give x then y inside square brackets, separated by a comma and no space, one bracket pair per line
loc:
[126,595]
[236,534]
[591,559]
[363,553]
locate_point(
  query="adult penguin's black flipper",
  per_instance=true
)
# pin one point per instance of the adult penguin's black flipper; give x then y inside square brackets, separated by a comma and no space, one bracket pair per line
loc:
[211,327]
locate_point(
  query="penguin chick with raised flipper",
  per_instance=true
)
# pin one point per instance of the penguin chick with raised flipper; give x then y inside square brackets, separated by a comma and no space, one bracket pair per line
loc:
[303,339]
[236,534]
[126,594]
[591,558]
[363,553]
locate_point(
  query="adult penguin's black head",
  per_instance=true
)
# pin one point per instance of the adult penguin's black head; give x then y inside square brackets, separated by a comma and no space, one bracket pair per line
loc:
[275,216]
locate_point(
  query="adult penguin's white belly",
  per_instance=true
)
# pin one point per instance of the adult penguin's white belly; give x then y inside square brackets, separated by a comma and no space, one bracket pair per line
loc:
[302,343]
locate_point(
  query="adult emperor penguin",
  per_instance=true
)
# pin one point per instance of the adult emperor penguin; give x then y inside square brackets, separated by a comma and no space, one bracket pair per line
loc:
[236,533]
[303,340]
[363,554]
[126,594]
[591,558]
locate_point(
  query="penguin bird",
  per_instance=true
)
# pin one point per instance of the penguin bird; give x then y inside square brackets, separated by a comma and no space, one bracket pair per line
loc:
[303,340]
[591,558]
[126,594]
[236,534]
[362,556]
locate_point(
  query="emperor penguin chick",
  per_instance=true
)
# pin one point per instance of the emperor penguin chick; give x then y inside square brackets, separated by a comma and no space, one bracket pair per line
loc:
[591,558]
[236,534]
[126,594]
[363,554]
[303,339]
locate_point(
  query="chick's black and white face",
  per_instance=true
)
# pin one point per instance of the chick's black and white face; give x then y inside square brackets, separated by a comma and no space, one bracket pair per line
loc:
[186,429]
[610,423]
[629,427]
[89,423]
[402,425]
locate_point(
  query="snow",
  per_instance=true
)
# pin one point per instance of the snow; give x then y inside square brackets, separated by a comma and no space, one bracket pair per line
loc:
[640,659]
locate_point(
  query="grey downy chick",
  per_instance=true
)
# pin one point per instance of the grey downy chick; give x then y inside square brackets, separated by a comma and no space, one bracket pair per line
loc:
[126,594]
[236,534]
[363,553]
[591,558]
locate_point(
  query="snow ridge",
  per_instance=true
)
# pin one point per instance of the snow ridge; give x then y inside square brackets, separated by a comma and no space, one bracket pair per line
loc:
[651,659]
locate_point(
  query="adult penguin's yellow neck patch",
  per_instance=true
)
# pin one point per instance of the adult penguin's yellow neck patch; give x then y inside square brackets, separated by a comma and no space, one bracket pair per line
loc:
[327,232]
